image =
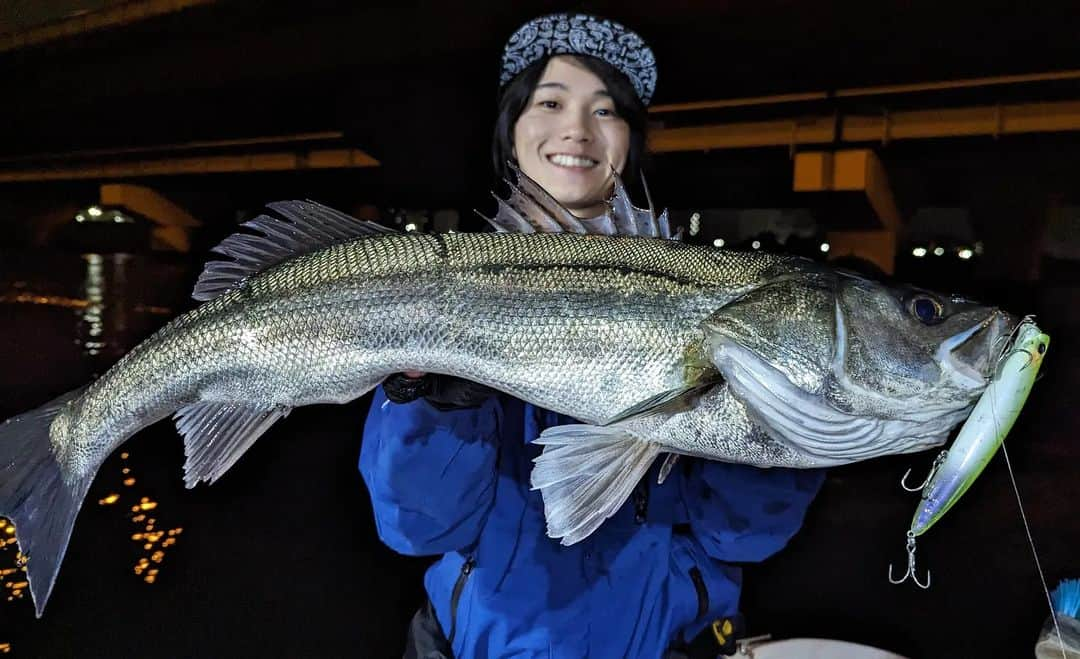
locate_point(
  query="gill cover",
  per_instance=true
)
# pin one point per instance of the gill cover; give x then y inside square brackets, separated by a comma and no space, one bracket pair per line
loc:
[785,350]
[789,323]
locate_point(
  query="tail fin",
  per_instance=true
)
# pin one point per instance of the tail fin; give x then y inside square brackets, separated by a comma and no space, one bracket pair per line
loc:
[37,496]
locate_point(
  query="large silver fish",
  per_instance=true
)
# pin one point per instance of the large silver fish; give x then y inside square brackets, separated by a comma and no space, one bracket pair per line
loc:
[657,346]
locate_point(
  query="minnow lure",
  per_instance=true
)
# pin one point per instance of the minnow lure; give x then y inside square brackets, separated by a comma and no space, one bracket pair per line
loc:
[982,434]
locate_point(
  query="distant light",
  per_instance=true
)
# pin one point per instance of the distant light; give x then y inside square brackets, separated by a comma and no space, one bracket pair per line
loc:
[94,211]
[978,247]
[918,252]
[695,223]
[756,244]
[719,242]
[824,247]
[939,251]
[80,218]
[119,218]
[411,226]
[965,253]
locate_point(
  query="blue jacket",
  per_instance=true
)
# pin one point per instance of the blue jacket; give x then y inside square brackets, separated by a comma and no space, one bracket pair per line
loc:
[457,483]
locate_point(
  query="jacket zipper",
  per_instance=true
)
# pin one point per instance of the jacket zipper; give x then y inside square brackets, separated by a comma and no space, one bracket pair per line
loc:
[459,585]
[702,593]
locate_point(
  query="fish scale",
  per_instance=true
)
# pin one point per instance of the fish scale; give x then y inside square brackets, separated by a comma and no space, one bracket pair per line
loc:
[584,325]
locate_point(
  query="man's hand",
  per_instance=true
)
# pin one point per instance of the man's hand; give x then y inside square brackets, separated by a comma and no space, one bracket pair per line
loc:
[406,387]
[444,392]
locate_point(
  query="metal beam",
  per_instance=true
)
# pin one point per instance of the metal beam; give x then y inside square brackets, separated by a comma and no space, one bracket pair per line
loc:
[148,203]
[989,120]
[878,90]
[129,12]
[878,247]
[858,170]
[993,120]
[307,139]
[257,162]
[719,104]
[173,223]
[745,134]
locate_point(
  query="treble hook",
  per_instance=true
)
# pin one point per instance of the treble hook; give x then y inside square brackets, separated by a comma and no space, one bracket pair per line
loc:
[910,566]
[929,477]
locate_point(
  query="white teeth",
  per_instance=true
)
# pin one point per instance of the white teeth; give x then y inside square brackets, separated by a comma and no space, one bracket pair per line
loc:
[571,161]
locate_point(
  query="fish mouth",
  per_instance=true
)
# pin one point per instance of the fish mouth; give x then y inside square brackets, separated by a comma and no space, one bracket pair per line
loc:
[973,353]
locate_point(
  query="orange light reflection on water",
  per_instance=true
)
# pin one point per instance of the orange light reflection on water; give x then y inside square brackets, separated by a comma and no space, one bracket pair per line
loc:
[12,578]
[72,302]
[154,543]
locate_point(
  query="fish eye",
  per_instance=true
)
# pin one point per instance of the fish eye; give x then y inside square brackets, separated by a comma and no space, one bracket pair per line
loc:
[928,310]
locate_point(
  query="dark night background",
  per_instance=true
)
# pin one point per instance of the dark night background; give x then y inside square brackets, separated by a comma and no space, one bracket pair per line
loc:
[280,558]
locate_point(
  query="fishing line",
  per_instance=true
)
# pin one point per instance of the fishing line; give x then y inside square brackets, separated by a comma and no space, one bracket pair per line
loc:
[1023,518]
[1016,489]
[1034,553]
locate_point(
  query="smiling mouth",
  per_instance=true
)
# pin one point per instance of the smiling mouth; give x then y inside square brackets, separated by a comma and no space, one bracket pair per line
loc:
[573,162]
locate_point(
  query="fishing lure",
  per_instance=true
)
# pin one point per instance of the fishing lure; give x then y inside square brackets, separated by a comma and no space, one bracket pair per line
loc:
[981,436]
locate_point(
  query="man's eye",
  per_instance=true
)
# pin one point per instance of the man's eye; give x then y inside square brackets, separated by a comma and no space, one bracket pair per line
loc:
[551,105]
[605,112]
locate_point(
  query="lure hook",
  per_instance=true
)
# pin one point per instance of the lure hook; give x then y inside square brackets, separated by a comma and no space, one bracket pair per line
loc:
[929,477]
[910,566]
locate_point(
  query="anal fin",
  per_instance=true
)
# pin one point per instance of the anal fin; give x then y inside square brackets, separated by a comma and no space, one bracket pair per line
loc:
[586,473]
[217,434]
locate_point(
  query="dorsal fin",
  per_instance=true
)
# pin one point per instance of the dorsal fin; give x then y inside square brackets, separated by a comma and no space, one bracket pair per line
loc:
[529,195]
[304,226]
[530,209]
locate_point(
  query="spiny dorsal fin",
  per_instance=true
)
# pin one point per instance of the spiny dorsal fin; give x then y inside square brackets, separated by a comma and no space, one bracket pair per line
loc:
[530,209]
[509,219]
[217,434]
[663,225]
[305,226]
[529,195]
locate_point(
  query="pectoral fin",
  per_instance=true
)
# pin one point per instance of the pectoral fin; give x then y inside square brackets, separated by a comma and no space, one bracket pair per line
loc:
[585,474]
[668,402]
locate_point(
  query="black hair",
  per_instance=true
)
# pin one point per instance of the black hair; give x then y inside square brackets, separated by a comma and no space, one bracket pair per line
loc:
[515,96]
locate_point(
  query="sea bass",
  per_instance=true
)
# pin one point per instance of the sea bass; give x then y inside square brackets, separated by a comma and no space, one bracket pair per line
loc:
[655,345]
